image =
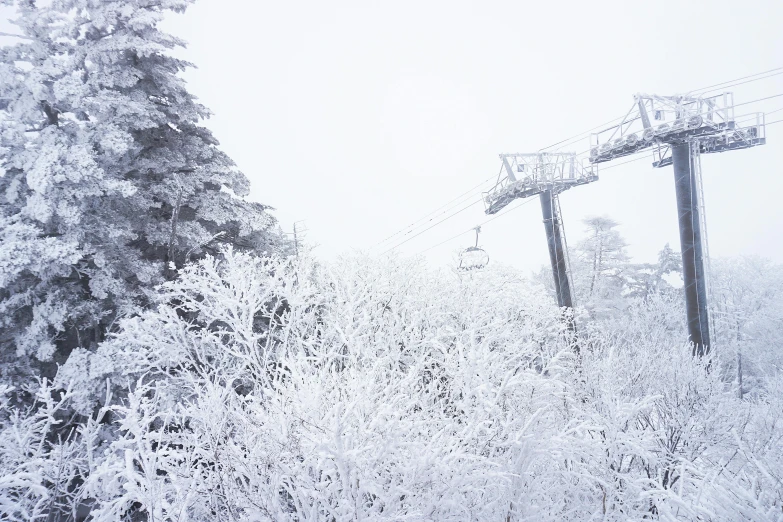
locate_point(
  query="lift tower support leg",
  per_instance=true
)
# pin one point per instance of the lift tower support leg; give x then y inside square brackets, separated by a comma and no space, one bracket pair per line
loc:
[557,258]
[683,158]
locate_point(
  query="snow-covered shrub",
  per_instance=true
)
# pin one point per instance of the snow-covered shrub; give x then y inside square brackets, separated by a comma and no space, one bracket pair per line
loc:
[673,439]
[45,456]
[262,389]
[268,389]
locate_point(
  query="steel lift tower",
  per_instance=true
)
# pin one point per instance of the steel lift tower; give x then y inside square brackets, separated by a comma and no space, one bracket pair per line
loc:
[544,174]
[679,129]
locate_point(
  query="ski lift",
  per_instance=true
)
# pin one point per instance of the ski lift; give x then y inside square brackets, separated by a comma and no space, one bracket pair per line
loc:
[473,258]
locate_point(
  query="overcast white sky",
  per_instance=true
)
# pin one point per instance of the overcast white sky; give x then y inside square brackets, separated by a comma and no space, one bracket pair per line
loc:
[362,117]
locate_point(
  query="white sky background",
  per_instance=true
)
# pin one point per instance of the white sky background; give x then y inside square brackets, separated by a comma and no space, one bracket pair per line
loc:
[362,117]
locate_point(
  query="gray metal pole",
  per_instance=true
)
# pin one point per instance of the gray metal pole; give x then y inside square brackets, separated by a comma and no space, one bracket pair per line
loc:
[557,256]
[691,246]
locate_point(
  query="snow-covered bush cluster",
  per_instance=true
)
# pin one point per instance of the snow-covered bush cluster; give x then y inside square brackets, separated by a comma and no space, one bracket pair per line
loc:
[269,389]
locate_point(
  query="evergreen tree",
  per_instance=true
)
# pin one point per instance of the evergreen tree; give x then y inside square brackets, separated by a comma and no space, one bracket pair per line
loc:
[603,249]
[109,183]
[646,279]
[599,266]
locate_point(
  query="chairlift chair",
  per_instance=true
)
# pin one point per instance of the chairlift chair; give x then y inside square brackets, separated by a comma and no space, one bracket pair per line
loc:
[473,258]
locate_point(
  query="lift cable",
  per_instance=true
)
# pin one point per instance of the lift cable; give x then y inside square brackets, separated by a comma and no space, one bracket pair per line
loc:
[734,83]
[428,218]
[433,225]
[578,137]
[626,162]
[586,151]
[756,100]
[614,165]
[435,213]
[509,209]
[641,156]
[753,115]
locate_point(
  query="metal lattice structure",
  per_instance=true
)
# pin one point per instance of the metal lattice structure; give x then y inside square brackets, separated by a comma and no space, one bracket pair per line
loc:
[659,122]
[525,175]
[678,129]
[545,174]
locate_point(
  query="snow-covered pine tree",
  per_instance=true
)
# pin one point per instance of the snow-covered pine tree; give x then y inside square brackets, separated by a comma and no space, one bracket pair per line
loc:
[598,266]
[645,279]
[108,182]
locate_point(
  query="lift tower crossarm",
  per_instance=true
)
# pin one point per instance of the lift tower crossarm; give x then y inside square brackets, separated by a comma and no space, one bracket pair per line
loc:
[680,119]
[529,174]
